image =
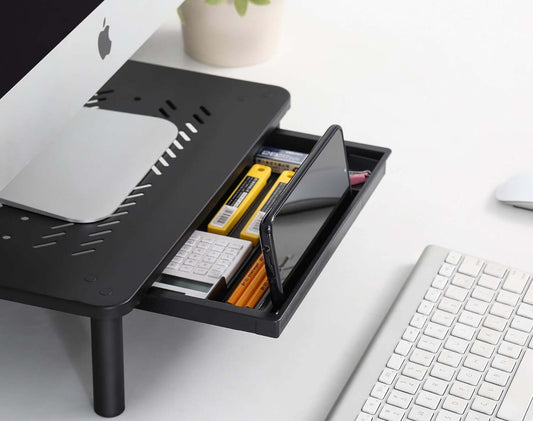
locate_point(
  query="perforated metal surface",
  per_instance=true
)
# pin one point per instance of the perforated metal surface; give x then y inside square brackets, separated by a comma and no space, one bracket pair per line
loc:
[100,269]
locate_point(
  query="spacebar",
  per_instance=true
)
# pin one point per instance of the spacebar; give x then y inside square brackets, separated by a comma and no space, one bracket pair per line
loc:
[516,402]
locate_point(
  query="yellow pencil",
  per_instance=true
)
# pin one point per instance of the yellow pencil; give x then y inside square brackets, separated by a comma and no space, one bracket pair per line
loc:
[258,293]
[252,286]
[250,275]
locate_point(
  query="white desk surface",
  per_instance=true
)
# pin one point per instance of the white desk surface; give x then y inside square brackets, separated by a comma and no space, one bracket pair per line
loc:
[448,87]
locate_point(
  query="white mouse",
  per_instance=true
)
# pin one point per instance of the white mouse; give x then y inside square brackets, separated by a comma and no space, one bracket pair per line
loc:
[517,191]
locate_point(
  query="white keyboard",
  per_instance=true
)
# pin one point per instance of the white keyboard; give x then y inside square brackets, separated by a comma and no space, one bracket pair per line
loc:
[457,345]
[205,259]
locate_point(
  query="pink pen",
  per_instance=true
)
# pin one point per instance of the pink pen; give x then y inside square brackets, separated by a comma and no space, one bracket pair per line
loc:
[357,177]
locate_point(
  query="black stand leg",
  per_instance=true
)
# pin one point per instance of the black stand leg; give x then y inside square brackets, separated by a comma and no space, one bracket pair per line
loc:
[108,366]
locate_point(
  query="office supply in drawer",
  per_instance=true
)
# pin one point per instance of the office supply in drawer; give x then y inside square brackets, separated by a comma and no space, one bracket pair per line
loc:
[251,230]
[242,197]
[254,271]
[280,159]
[457,345]
[205,260]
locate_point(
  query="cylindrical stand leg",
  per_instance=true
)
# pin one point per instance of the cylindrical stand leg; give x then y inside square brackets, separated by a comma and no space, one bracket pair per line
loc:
[108,366]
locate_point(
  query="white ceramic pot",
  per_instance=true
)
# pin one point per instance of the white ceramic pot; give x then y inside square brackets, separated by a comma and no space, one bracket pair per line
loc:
[218,35]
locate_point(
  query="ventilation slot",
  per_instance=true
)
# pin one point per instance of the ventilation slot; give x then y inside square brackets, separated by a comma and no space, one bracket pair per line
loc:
[178,145]
[96,234]
[170,153]
[79,253]
[164,113]
[156,170]
[62,226]
[142,187]
[116,215]
[106,224]
[59,234]
[125,205]
[133,196]
[170,104]
[91,243]
[198,119]
[185,136]
[191,128]
[105,92]
[205,111]
[38,246]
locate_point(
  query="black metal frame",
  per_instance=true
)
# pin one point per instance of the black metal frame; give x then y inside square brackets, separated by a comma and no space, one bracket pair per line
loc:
[232,119]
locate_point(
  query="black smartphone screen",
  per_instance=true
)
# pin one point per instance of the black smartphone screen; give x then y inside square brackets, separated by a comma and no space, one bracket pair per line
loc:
[307,207]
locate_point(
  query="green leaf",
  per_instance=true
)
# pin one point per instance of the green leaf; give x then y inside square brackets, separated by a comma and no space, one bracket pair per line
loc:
[214,1]
[260,2]
[241,6]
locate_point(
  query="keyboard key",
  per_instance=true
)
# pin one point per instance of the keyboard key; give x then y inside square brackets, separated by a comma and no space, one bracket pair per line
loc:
[488,335]
[475,362]
[371,406]
[507,297]
[415,371]
[429,344]
[470,319]
[476,306]
[462,390]
[428,400]
[449,358]
[495,269]
[395,361]
[418,320]
[436,331]
[483,405]
[442,372]
[403,347]
[528,298]
[435,385]
[387,376]
[407,385]
[446,270]
[495,322]
[379,390]
[455,404]
[456,293]
[391,413]
[463,331]
[453,258]
[503,363]
[497,377]
[400,399]
[364,417]
[520,393]
[432,295]
[523,324]
[490,391]
[439,282]
[422,357]
[489,281]
[509,350]
[471,266]
[516,337]
[525,310]
[463,281]
[425,307]
[442,318]
[502,310]
[469,376]
[419,414]
[516,281]
[449,305]
[456,344]
[447,416]
[410,334]
[482,348]
[483,294]
[476,416]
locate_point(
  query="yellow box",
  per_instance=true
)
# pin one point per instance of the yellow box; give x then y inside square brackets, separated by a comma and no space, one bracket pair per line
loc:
[242,197]
[251,230]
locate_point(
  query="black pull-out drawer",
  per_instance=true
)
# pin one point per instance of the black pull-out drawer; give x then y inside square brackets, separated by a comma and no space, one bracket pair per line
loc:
[269,322]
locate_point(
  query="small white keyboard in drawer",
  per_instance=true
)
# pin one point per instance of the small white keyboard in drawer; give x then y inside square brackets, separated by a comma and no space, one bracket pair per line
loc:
[203,261]
[457,345]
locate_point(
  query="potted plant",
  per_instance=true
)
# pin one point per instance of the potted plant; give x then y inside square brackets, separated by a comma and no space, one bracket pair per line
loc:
[231,32]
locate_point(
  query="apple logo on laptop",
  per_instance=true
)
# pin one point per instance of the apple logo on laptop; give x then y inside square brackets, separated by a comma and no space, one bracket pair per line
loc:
[104,42]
